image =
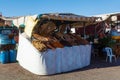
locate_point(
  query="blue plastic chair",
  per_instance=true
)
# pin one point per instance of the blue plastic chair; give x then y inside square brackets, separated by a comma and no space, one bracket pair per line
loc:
[109,54]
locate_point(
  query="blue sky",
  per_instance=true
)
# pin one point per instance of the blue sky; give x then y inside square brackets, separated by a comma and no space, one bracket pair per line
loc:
[81,7]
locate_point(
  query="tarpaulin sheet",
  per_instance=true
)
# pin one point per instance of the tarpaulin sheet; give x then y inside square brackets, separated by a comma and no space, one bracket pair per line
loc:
[52,61]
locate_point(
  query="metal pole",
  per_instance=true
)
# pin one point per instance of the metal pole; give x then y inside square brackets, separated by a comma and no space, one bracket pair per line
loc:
[84,30]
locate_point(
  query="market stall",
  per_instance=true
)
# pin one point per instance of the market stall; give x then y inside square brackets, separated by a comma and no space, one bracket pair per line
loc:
[52,61]
[67,55]
[7,44]
[112,31]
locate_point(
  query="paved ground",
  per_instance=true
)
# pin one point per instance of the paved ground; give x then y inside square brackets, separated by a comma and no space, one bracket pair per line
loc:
[98,70]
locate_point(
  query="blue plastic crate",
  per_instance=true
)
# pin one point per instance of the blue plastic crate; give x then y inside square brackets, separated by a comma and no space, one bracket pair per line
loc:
[13,55]
[4,57]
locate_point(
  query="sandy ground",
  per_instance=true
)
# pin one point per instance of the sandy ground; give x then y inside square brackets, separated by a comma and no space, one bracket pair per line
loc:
[98,70]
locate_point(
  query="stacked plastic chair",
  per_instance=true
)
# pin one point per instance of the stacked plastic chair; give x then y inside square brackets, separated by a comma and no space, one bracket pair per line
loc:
[110,54]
